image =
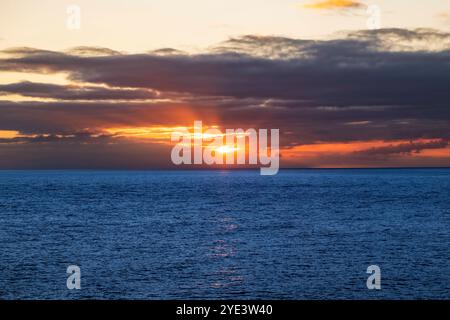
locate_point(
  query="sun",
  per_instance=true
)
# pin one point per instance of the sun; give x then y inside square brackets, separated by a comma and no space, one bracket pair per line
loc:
[225,149]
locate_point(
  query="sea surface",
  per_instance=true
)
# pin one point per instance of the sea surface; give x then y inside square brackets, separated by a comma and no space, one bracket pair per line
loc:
[301,234]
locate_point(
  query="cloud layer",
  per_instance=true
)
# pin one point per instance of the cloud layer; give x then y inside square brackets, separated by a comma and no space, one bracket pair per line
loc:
[388,85]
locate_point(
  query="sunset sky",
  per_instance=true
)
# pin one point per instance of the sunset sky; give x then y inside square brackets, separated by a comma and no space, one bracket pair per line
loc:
[109,94]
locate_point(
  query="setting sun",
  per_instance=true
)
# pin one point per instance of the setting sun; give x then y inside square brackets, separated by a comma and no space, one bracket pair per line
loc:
[226,149]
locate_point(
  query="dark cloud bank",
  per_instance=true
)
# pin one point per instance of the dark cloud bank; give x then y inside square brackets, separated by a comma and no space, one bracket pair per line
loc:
[390,84]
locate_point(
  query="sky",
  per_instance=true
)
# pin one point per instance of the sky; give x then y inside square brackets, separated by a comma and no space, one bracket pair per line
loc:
[349,83]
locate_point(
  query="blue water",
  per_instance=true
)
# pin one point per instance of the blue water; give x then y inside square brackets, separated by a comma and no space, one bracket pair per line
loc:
[302,234]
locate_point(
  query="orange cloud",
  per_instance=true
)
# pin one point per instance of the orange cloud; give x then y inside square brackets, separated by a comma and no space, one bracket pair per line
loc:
[8,134]
[374,153]
[334,4]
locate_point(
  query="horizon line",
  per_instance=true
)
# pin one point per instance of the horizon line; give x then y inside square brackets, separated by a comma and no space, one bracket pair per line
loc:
[218,169]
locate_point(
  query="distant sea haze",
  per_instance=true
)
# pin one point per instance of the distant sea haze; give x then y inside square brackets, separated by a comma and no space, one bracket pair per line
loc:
[217,234]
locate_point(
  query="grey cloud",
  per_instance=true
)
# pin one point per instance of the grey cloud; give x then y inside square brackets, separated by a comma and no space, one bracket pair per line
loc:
[92,51]
[84,156]
[306,124]
[366,85]
[64,92]
[76,137]
[350,71]
[404,148]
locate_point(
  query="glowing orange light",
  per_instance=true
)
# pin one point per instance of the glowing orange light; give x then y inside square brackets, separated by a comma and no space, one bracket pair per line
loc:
[226,149]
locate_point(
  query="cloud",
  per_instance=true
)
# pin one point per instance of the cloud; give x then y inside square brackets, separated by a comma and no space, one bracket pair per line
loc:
[359,69]
[71,92]
[405,148]
[60,155]
[92,51]
[76,137]
[305,124]
[387,85]
[333,4]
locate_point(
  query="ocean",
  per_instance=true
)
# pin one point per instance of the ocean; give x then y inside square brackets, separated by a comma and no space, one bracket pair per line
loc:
[301,234]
